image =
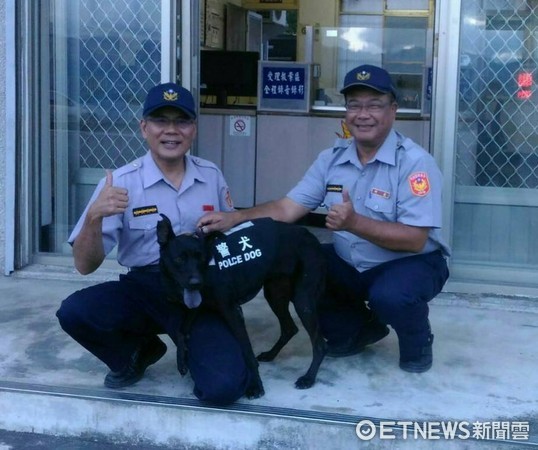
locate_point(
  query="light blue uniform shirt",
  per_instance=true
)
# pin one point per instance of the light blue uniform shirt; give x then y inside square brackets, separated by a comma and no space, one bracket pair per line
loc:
[203,189]
[401,184]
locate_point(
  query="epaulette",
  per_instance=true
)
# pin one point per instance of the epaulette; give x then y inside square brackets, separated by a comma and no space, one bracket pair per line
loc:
[341,144]
[200,162]
[402,141]
[128,168]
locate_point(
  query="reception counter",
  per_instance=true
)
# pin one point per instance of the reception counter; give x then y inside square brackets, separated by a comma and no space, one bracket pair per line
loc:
[263,155]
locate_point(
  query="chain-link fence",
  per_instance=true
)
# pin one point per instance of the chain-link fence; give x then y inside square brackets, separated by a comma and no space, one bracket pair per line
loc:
[119,47]
[498,101]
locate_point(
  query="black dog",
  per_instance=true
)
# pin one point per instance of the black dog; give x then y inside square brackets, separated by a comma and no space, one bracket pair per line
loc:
[227,270]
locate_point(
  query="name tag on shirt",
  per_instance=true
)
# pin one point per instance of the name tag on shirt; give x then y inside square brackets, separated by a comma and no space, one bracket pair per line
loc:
[145,211]
[334,188]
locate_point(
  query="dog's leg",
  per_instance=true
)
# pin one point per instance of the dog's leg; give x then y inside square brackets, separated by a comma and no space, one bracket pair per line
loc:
[182,338]
[233,315]
[278,293]
[319,347]
[181,353]
[308,294]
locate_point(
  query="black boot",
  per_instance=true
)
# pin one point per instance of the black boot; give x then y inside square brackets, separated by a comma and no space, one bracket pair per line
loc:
[148,353]
[416,354]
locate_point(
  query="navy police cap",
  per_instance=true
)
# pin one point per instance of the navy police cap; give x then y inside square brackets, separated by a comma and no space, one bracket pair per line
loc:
[369,76]
[172,95]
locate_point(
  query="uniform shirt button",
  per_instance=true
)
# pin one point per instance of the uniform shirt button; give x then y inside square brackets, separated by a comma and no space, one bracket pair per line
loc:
[376,207]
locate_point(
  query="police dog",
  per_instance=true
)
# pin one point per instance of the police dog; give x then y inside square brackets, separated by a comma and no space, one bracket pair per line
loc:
[224,270]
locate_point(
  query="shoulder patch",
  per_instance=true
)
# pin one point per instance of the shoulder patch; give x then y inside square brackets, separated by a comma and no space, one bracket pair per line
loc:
[229,200]
[419,183]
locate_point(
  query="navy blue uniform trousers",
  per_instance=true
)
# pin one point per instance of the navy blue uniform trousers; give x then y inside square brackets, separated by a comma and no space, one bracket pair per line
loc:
[397,293]
[111,319]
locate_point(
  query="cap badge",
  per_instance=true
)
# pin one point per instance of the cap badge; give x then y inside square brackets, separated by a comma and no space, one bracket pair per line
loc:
[363,76]
[170,95]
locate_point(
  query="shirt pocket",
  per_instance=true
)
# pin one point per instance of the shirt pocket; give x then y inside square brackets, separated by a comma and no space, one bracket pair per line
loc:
[144,224]
[381,208]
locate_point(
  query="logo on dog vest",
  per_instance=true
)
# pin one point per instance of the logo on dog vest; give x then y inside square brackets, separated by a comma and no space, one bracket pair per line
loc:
[248,252]
[243,244]
[223,250]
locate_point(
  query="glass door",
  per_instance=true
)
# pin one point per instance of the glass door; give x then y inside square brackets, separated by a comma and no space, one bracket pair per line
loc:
[96,61]
[496,175]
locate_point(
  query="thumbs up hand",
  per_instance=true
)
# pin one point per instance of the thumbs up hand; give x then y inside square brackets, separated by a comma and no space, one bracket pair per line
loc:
[341,215]
[111,200]
[109,178]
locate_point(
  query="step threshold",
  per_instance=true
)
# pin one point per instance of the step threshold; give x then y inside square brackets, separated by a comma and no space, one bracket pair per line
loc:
[245,426]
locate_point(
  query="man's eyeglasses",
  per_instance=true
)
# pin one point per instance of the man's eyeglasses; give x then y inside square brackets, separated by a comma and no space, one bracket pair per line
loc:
[163,122]
[371,108]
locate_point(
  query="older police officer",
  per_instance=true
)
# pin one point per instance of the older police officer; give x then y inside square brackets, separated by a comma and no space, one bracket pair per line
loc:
[119,321]
[383,196]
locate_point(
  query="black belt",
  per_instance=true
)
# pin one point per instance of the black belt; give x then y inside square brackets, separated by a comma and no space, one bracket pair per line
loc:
[150,268]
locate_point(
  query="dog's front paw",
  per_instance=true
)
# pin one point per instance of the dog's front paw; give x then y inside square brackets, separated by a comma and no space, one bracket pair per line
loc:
[182,366]
[266,356]
[304,382]
[183,369]
[254,391]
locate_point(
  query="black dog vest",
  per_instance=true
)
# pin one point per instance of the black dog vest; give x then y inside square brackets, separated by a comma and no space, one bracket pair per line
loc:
[241,259]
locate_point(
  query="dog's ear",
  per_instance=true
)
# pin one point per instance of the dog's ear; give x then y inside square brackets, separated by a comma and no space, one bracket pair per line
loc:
[165,232]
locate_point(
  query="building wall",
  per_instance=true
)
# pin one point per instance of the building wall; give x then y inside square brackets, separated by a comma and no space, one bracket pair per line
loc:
[464,267]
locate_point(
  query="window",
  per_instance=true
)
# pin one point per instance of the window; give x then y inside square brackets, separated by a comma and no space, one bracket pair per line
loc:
[384,34]
[98,60]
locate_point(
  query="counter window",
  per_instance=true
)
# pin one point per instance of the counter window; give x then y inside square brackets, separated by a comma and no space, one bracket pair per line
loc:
[401,41]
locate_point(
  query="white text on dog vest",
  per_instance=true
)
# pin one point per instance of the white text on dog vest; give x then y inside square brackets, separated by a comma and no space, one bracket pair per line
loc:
[238,259]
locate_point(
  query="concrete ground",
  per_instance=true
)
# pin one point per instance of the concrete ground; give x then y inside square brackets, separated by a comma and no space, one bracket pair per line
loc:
[19,440]
[484,375]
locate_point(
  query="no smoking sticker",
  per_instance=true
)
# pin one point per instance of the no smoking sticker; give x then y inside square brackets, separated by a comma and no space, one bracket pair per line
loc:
[239,125]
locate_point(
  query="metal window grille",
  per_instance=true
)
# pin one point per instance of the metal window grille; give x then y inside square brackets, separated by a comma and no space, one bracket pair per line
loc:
[498,99]
[119,60]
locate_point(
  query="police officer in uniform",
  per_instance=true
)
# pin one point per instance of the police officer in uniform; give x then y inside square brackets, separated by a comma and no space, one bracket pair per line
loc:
[382,193]
[119,321]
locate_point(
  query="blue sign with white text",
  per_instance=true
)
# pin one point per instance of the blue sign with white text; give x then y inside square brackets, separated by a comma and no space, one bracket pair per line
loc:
[286,83]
